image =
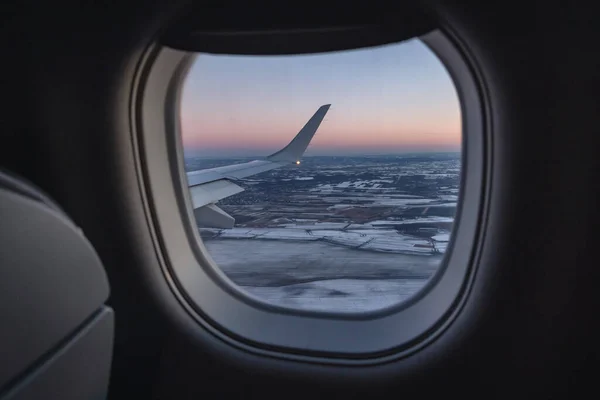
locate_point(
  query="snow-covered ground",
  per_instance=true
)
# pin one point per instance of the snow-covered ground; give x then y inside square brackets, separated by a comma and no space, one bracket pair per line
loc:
[413,221]
[442,237]
[339,295]
[314,275]
[342,234]
[384,240]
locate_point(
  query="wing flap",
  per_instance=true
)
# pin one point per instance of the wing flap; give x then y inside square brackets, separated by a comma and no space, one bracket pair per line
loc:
[211,216]
[212,192]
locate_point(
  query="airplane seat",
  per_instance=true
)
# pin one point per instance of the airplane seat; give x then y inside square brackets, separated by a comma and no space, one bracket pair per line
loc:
[56,333]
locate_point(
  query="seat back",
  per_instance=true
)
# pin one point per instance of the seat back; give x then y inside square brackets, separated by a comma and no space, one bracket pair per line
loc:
[56,334]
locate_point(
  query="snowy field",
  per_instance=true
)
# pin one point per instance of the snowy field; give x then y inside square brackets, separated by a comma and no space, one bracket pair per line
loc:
[338,233]
[312,275]
[371,237]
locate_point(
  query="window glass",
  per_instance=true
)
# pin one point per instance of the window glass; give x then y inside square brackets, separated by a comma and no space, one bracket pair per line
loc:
[358,221]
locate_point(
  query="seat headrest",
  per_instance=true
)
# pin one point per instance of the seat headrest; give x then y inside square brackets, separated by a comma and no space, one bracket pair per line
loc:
[15,183]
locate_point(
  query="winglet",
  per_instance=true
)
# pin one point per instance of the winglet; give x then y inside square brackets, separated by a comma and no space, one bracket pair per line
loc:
[296,148]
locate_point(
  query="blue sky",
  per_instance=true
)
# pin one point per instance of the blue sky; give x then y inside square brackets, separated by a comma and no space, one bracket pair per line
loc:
[389,99]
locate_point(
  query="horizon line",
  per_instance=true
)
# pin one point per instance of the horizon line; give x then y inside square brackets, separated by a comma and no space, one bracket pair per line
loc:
[210,156]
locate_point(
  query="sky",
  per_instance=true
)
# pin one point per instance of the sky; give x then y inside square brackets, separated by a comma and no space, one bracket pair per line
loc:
[384,100]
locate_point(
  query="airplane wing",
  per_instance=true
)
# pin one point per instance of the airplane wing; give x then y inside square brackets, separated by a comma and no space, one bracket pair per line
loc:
[208,186]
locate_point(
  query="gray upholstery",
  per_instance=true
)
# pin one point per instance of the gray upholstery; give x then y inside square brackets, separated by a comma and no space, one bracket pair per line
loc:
[56,333]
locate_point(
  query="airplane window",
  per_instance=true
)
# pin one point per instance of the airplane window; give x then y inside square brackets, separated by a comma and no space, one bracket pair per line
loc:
[324,182]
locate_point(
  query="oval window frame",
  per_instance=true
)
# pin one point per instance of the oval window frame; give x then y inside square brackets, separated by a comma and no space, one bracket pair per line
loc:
[233,315]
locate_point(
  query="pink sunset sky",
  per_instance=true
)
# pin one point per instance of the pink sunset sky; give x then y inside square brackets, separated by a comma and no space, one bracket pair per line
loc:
[385,100]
